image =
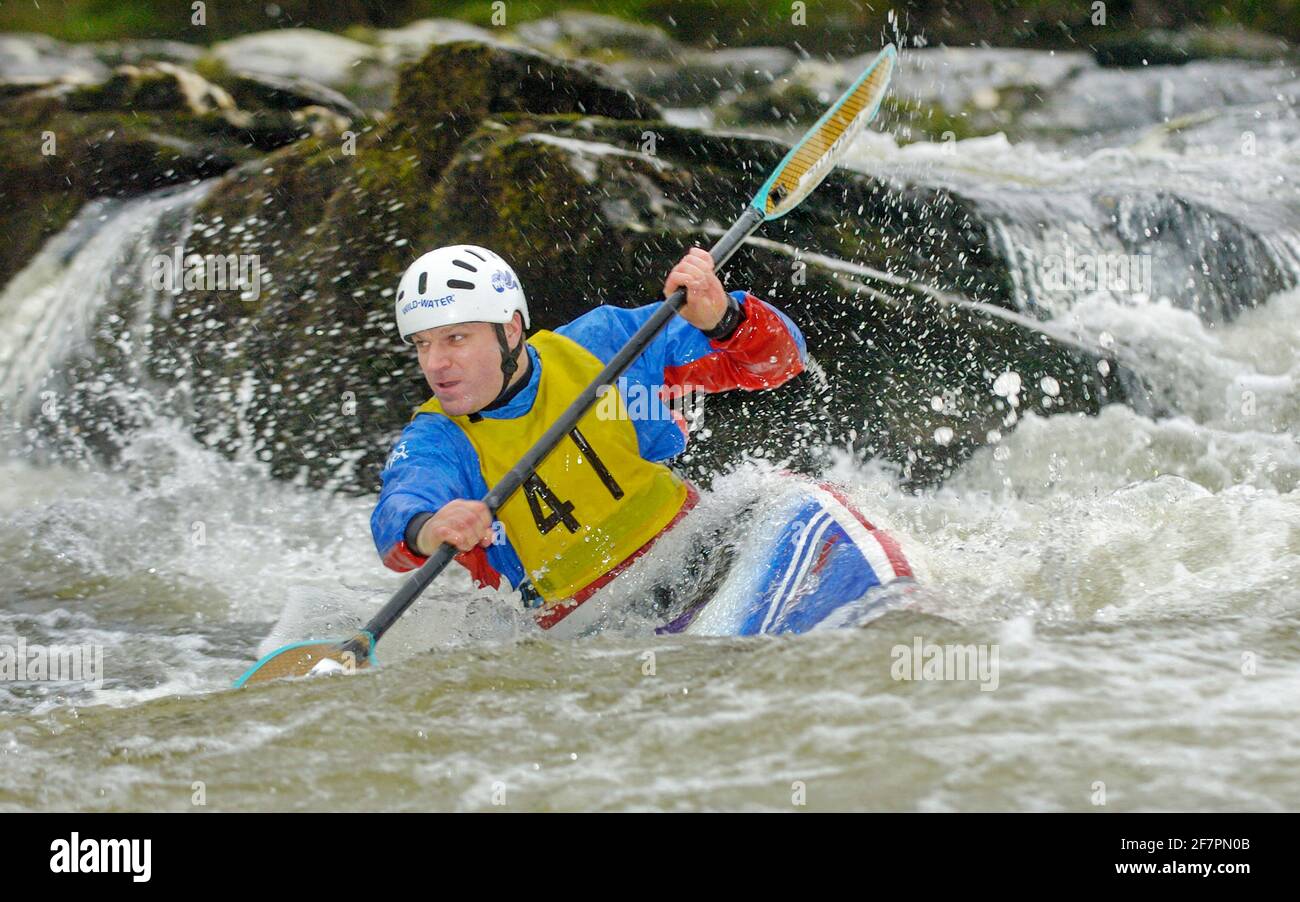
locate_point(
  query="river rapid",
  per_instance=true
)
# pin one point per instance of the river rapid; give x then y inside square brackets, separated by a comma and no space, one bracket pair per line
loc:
[1136,573]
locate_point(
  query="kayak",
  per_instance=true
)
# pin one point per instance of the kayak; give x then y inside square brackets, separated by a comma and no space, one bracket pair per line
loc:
[812,561]
[799,558]
[789,556]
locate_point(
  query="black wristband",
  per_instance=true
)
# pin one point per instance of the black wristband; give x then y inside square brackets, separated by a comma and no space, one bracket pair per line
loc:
[413,527]
[731,320]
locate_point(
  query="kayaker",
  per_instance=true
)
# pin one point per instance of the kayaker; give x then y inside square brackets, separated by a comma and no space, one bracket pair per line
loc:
[603,497]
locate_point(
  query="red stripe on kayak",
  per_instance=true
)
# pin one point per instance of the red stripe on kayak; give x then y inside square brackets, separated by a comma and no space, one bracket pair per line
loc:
[825,552]
[887,542]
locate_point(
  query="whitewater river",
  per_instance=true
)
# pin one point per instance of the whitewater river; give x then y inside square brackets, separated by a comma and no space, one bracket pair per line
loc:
[1138,576]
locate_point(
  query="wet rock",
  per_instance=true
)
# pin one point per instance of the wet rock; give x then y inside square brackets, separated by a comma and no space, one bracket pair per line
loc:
[1162,47]
[444,96]
[254,91]
[692,77]
[412,41]
[280,111]
[896,374]
[158,86]
[1202,259]
[141,51]
[348,66]
[139,129]
[94,154]
[649,182]
[1112,100]
[39,57]
[946,93]
[588,215]
[307,366]
[570,34]
[35,91]
[592,197]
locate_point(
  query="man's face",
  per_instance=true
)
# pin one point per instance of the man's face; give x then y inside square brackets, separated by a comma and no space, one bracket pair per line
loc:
[462,363]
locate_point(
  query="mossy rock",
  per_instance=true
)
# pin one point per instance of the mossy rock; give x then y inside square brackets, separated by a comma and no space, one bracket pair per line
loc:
[315,349]
[113,154]
[266,92]
[309,376]
[95,154]
[584,33]
[787,101]
[141,129]
[1158,47]
[442,97]
[585,216]
[155,87]
[519,183]
[912,120]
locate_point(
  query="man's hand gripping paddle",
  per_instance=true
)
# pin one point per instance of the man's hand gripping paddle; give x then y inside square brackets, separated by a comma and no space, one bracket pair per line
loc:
[795,177]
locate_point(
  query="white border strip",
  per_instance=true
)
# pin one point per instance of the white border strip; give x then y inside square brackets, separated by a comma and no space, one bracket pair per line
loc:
[865,539]
[800,561]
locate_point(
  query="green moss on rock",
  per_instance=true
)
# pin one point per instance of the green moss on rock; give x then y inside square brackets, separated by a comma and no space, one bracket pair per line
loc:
[443,96]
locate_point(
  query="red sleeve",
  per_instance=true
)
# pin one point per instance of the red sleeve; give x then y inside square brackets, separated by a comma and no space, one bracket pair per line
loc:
[401,558]
[761,353]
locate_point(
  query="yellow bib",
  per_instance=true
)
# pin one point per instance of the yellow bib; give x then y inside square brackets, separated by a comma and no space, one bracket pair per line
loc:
[594,500]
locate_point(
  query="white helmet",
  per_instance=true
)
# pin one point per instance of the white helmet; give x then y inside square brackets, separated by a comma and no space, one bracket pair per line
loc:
[461,283]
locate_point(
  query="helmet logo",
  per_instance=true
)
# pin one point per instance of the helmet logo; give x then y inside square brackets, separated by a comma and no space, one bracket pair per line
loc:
[503,279]
[429,302]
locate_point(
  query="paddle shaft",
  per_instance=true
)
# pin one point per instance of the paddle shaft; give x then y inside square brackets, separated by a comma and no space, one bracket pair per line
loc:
[727,245]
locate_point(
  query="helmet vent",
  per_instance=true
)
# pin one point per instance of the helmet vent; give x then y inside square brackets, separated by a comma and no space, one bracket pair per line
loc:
[463,265]
[476,254]
[423,283]
[459,283]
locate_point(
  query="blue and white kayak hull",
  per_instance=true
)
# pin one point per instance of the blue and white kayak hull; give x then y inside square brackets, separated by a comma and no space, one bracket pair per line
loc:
[811,561]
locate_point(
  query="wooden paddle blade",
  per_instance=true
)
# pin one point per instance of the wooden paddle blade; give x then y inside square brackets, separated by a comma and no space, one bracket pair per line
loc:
[298,660]
[818,151]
